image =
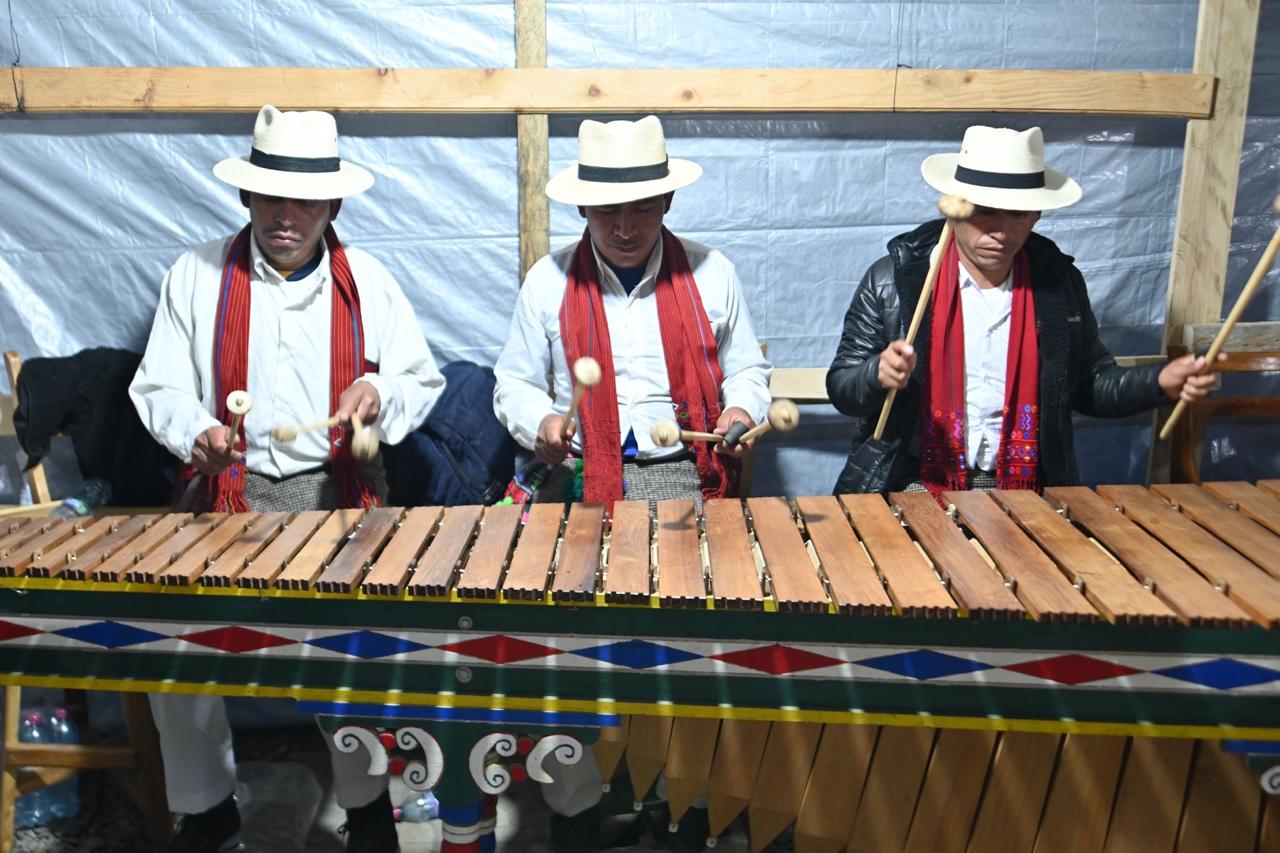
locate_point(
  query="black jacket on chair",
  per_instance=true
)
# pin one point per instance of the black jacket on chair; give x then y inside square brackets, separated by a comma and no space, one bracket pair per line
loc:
[1076,371]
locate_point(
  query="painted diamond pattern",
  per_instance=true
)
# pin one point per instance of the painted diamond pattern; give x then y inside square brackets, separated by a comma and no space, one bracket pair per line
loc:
[110,635]
[637,654]
[367,644]
[1072,669]
[12,631]
[778,659]
[236,640]
[500,648]
[1222,674]
[923,664]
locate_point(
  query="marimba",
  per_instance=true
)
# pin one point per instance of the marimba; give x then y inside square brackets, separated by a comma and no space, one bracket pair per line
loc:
[1027,672]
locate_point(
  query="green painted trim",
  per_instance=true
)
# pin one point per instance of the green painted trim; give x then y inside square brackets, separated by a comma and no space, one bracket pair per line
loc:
[393,678]
[316,610]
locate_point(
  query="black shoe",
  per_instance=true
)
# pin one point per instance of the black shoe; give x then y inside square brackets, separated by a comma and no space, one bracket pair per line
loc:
[578,833]
[371,828]
[213,831]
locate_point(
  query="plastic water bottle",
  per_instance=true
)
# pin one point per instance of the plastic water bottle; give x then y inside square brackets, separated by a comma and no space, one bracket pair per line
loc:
[93,493]
[32,809]
[64,797]
[420,808]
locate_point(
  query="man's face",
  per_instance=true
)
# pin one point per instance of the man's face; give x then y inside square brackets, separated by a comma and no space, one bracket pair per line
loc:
[626,233]
[990,238]
[289,229]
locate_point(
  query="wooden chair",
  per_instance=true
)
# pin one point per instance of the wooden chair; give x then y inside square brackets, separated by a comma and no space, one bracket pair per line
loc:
[1188,434]
[29,767]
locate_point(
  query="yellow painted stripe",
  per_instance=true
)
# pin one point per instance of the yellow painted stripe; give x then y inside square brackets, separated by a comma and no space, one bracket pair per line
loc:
[654,709]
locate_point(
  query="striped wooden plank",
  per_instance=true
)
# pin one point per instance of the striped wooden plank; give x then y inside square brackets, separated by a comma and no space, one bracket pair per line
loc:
[262,572]
[796,585]
[735,583]
[579,563]
[1084,786]
[307,565]
[1262,507]
[680,579]
[1017,786]
[952,789]
[54,561]
[439,566]
[484,565]
[892,790]
[1103,581]
[347,569]
[90,558]
[975,584]
[855,587]
[149,568]
[1237,530]
[390,574]
[187,568]
[911,582]
[1038,584]
[627,574]
[1253,590]
[1152,565]
[227,566]
[1149,803]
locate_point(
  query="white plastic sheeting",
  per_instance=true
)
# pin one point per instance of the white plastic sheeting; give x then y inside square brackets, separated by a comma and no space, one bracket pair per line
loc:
[97,207]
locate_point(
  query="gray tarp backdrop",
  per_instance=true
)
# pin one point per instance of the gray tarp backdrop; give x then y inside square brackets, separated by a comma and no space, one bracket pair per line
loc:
[96,207]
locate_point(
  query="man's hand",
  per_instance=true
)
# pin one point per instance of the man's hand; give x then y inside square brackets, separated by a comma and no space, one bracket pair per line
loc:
[213,451]
[549,446]
[728,417]
[362,399]
[1181,378]
[896,363]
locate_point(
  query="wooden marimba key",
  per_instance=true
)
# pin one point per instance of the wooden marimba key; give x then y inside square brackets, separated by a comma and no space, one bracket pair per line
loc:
[1174,554]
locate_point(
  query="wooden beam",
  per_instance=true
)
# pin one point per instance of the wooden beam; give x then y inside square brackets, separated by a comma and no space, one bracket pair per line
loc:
[1226,33]
[1245,337]
[1225,38]
[586,91]
[1091,92]
[532,139]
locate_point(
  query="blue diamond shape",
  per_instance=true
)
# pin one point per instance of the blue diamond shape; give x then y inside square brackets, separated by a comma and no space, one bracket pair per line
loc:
[923,664]
[1222,674]
[367,644]
[637,654]
[110,635]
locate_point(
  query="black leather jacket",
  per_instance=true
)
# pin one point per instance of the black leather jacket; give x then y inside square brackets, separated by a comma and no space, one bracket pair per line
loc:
[1076,371]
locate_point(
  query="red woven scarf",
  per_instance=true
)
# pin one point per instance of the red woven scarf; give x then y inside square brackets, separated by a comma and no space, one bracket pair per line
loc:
[693,370]
[944,464]
[225,492]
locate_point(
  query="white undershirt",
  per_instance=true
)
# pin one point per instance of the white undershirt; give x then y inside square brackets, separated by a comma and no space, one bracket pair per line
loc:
[986,353]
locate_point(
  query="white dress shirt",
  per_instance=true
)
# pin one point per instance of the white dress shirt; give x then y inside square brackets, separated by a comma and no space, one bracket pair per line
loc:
[986,353]
[289,365]
[533,373]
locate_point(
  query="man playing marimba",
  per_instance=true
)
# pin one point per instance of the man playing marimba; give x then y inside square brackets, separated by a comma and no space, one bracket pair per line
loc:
[310,328]
[662,315]
[1010,344]
[665,319]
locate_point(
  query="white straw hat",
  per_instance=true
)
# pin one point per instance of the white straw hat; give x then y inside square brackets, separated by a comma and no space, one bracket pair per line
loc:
[295,155]
[1002,168]
[619,162]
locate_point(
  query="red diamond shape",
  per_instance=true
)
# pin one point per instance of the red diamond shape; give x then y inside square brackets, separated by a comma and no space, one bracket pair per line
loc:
[12,631]
[235,639]
[778,659]
[1072,669]
[500,649]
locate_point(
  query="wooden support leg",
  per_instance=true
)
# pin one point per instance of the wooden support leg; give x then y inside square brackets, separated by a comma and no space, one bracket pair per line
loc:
[150,768]
[9,782]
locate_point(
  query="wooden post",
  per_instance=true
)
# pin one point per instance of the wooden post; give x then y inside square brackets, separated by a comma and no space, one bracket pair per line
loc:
[1225,37]
[531,139]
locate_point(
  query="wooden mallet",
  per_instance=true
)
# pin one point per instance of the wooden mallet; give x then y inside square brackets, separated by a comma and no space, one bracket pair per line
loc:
[954,208]
[364,441]
[238,404]
[667,433]
[586,373]
[285,433]
[784,415]
[1242,301]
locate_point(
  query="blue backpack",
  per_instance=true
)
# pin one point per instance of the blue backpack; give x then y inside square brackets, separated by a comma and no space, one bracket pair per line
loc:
[462,454]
